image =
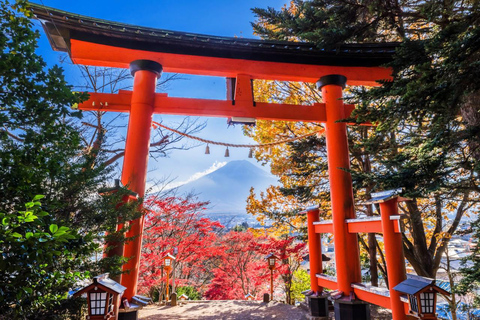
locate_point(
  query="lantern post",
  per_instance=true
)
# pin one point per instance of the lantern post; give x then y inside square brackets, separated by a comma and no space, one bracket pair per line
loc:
[271,260]
[167,263]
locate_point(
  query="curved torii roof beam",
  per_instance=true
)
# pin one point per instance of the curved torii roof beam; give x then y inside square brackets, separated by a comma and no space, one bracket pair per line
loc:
[97,42]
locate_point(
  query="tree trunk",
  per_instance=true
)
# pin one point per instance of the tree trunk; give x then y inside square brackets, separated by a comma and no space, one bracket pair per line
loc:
[288,288]
[417,253]
[426,259]
[452,301]
[372,255]
[372,241]
[173,276]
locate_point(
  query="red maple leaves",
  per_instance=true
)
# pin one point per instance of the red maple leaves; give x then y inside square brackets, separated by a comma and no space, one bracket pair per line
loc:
[221,265]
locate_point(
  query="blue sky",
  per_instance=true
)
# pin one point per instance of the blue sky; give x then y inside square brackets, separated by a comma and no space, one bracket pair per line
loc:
[214,17]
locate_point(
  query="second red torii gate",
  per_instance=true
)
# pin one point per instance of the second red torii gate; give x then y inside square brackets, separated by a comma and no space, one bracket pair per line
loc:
[147,52]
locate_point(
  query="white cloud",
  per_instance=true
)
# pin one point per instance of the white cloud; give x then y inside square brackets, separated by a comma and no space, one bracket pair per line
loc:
[217,165]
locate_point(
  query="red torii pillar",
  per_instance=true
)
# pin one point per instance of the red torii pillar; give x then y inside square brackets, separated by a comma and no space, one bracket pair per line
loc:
[347,253]
[394,256]
[347,256]
[134,171]
[314,249]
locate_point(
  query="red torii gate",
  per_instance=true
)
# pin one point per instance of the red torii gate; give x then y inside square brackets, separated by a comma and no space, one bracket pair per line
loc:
[147,52]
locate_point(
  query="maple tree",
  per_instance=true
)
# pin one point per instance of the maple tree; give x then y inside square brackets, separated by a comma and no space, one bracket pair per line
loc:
[174,222]
[218,265]
[301,181]
[239,268]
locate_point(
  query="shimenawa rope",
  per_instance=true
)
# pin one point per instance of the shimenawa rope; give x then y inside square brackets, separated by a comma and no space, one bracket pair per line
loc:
[232,145]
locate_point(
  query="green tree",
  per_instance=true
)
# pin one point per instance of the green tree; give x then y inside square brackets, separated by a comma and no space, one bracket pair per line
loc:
[41,152]
[300,283]
[428,120]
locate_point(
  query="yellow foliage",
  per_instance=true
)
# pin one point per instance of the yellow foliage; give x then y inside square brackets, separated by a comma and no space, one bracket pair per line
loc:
[272,206]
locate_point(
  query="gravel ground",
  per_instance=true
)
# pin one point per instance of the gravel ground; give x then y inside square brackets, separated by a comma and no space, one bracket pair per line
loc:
[224,310]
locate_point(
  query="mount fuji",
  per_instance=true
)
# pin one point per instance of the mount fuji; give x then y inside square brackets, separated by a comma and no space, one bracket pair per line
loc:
[227,190]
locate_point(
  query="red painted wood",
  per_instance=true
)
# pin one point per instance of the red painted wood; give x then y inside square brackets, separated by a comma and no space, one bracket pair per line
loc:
[134,171]
[93,54]
[163,104]
[372,297]
[327,283]
[394,257]
[314,250]
[365,227]
[347,256]
[324,228]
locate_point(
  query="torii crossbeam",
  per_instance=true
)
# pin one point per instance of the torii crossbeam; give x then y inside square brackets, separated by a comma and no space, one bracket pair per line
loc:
[148,52]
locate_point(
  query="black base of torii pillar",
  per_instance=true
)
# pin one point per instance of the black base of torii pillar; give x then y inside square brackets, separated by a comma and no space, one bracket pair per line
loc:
[351,310]
[131,315]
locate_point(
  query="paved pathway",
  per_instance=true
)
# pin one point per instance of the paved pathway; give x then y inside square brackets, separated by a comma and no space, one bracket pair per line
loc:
[224,310]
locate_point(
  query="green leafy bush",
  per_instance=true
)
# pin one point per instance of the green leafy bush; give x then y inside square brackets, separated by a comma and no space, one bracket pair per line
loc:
[32,248]
[190,292]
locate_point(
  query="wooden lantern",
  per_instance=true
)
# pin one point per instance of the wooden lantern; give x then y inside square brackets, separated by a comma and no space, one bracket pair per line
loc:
[422,295]
[168,262]
[103,298]
[271,261]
